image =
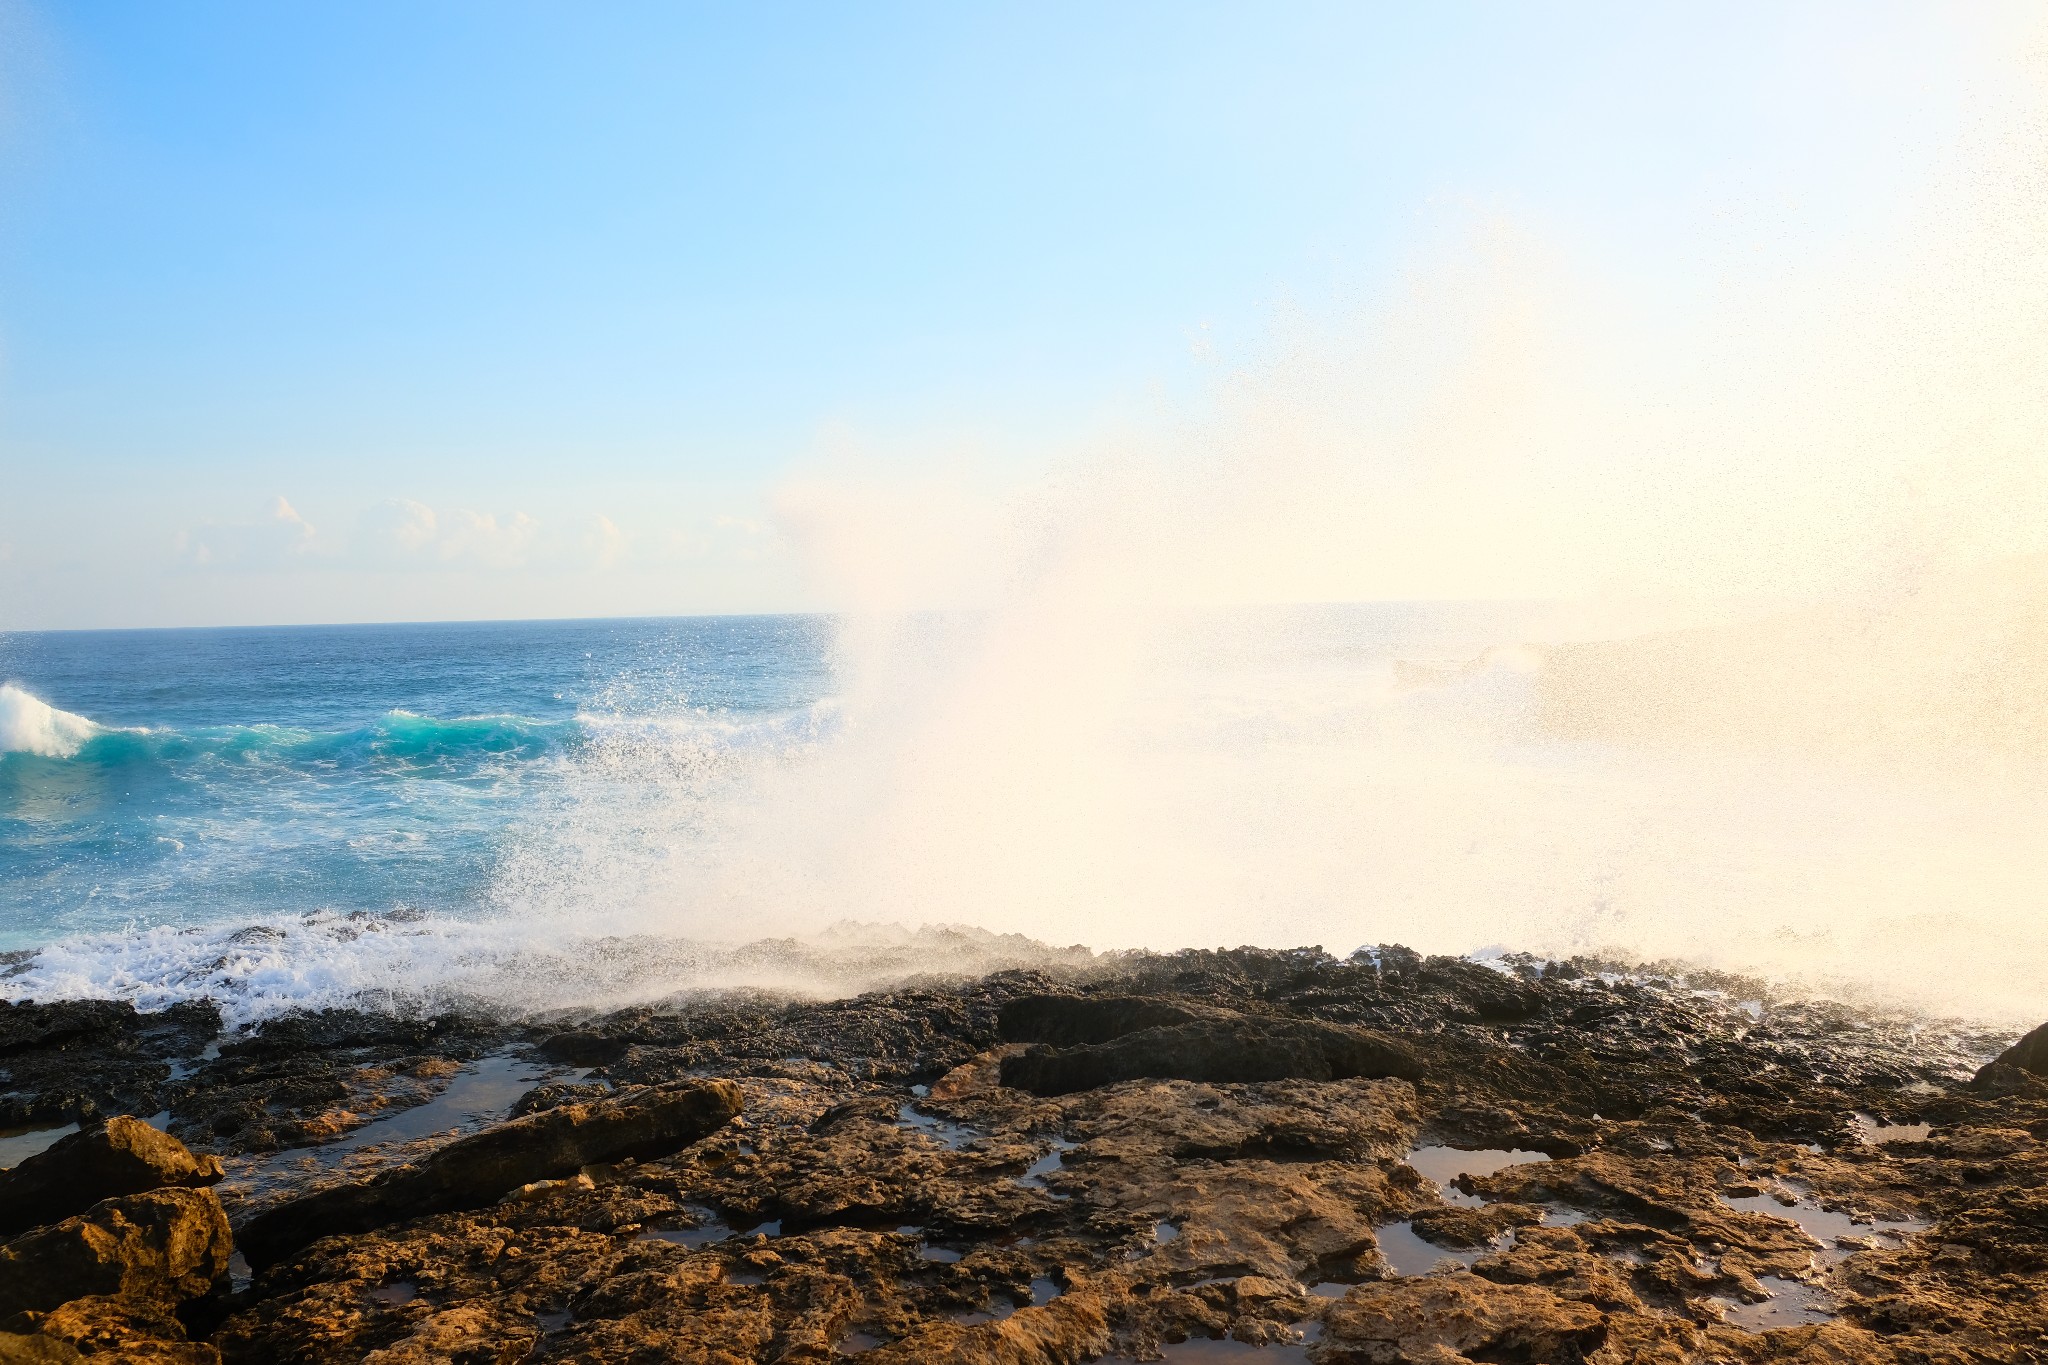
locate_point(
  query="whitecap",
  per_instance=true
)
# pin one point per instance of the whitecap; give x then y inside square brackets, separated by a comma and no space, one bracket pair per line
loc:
[30,725]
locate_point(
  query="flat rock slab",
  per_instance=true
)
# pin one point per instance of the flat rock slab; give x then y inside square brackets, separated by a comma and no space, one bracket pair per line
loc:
[121,1156]
[1224,1050]
[475,1171]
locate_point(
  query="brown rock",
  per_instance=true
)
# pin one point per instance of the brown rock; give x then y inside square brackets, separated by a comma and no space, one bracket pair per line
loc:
[474,1171]
[1225,1050]
[35,1349]
[1444,1319]
[123,1329]
[167,1245]
[121,1156]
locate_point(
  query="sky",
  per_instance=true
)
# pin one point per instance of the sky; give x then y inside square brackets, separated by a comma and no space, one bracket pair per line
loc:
[385,311]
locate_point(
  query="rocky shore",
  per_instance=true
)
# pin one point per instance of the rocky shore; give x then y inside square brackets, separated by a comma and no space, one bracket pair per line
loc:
[1254,1156]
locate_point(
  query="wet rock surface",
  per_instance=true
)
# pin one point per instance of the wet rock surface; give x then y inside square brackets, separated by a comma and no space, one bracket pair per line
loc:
[1545,1163]
[473,1171]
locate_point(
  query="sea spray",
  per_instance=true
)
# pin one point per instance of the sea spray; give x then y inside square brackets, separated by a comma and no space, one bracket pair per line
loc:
[1111,740]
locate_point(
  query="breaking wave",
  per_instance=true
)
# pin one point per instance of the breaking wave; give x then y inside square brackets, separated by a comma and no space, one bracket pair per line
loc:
[30,725]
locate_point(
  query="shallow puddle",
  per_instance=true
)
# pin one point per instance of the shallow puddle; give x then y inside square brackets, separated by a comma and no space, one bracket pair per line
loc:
[1873,1132]
[1043,1291]
[1445,1164]
[1792,1304]
[1407,1254]
[1826,1225]
[854,1343]
[479,1094]
[395,1293]
[1055,1160]
[19,1144]
[954,1135]
[708,1228]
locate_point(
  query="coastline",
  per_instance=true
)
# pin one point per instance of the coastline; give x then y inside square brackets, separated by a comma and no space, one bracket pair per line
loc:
[1140,1157]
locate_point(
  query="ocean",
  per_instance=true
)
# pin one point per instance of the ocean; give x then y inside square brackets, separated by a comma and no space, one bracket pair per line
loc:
[235,776]
[579,814]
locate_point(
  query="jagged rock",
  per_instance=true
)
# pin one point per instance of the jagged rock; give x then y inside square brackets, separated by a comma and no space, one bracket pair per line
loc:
[36,1349]
[1443,1319]
[121,1329]
[1241,1049]
[886,1195]
[121,1156]
[473,1171]
[25,1024]
[167,1245]
[1079,1020]
[555,1094]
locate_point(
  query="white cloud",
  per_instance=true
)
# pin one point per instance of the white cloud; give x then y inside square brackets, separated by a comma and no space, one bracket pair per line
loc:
[278,538]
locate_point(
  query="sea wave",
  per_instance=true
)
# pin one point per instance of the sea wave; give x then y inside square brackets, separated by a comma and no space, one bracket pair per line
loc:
[30,725]
[31,729]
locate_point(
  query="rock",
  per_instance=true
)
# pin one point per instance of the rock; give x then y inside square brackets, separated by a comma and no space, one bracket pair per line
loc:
[121,1156]
[36,1349]
[555,1094]
[166,1245]
[1078,1020]
[584,1049]
[2028,1054]
[1242,1049]
[1469,1227]
[474,1171]
[121,1329]
[25,1024]
[1444,1319]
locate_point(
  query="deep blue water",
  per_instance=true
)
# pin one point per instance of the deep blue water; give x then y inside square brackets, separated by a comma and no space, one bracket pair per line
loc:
[236,775]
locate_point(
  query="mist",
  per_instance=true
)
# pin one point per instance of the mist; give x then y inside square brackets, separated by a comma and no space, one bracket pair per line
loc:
[1708,631]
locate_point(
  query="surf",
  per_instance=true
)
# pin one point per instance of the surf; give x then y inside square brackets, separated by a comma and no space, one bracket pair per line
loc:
[30,725]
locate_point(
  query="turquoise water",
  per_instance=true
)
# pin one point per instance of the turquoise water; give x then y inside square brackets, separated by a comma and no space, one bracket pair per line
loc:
[235,776]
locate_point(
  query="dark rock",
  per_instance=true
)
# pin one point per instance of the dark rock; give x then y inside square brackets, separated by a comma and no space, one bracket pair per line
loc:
[2028,1054]
[474,1171]
[165,1245]
[25,1025]
[1216,1050]
[1079,1020]
[555,1094]
[584,1049]
[121,1156]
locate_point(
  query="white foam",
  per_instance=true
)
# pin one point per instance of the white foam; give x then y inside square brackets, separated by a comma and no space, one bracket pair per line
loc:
[30,725]
[435,963]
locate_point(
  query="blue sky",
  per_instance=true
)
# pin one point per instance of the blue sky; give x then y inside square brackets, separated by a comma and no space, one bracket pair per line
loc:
[388,310]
